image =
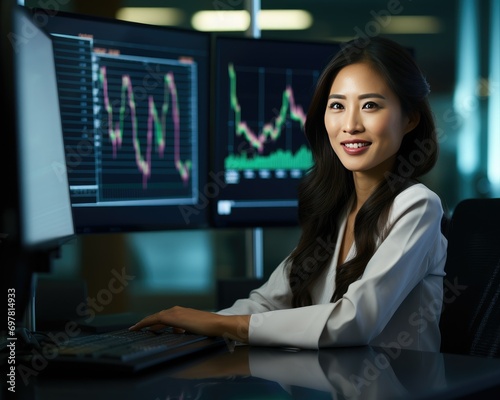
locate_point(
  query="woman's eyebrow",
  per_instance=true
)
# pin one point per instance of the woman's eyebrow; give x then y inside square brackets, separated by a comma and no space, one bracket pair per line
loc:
[361,96]
[370,96]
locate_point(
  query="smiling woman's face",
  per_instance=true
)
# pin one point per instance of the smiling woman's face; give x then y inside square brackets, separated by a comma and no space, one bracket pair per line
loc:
[364,120]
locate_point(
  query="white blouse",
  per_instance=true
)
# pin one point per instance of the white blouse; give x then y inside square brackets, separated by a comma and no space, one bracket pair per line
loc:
[396,303]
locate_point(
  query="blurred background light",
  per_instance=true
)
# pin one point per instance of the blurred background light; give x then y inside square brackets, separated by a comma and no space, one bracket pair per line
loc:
[494,101]
[414,24]
[152,15]
[239,20]
[285,19]
[465,99]
[218,21]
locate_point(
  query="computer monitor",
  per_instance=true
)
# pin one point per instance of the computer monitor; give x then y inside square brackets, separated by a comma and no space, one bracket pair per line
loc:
[35,216]
[134,104]
[262,92]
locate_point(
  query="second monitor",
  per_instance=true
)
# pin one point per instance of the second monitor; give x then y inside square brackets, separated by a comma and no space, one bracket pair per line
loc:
[134,105]
[262,92]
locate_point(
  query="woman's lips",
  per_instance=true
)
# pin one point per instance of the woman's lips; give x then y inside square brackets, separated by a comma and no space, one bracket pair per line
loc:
[355,147]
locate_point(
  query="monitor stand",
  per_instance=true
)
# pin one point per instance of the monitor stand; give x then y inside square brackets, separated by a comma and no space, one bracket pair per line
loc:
[36,263]
[255,236]
[255,245]
[30,317]
[20,270]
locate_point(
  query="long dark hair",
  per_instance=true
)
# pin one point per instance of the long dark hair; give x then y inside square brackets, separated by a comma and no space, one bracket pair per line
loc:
[325,192]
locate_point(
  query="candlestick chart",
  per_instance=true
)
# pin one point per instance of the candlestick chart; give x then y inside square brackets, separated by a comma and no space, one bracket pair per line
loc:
[134,111]
[268,115]
[145,116]
[263,90]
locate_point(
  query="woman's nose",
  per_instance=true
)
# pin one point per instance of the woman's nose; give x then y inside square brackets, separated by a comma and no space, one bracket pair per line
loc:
[352,122]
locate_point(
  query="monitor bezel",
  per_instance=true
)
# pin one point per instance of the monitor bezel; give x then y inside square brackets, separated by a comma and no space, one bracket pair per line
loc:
[193,216]
[288,218]
[13,198]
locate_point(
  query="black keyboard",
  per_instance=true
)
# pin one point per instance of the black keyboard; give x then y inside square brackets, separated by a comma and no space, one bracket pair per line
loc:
[132,351]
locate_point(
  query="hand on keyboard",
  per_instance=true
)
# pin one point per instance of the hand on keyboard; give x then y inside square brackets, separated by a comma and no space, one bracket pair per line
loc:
[199,322]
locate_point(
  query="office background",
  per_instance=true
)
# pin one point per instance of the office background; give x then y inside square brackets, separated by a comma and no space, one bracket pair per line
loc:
[457,43]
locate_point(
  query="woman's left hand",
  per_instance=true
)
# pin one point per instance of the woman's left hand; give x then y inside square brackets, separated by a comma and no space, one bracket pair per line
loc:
[206,323]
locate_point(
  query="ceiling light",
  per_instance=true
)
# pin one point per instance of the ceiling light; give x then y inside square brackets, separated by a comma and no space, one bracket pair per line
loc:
[284,19]
[209,21]
[151,15]
[415,24]
[239,20]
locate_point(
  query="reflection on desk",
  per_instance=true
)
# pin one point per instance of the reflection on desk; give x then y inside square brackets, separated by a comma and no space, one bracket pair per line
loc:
[254,373]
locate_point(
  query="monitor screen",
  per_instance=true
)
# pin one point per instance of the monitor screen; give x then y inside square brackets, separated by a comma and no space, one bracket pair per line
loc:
[40,202]
[35,207]
[262,91]
[134,104]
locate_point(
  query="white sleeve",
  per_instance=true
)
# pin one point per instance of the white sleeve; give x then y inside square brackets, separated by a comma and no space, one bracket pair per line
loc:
[275,294]
[411,251]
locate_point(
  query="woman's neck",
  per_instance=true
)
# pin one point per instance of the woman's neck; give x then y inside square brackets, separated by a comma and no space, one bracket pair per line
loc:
[363,187]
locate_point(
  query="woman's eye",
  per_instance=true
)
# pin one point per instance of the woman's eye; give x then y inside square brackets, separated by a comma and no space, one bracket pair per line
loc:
[370,105]
[335,106]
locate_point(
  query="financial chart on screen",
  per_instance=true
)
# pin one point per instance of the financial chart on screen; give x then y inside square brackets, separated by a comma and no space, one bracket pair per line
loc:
[134,109]
[262,93]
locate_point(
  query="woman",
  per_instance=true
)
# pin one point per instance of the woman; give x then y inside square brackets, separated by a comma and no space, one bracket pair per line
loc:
[369,266]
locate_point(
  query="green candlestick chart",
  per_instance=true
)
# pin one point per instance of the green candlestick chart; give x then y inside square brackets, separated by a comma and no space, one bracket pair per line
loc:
[270,132]
[156,125]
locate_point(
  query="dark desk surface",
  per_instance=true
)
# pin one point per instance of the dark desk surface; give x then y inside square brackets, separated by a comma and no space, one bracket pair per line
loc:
[265,373]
